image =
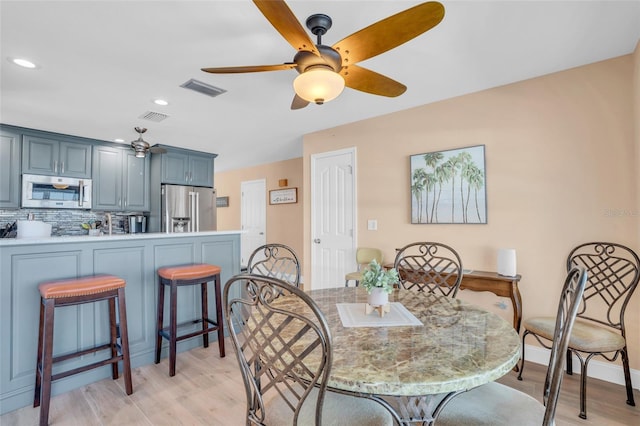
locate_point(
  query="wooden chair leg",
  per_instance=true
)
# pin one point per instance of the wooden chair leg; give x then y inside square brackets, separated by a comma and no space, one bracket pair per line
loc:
[159,321]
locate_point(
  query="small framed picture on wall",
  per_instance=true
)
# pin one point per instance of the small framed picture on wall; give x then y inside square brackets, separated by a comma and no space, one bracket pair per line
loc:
[283,196]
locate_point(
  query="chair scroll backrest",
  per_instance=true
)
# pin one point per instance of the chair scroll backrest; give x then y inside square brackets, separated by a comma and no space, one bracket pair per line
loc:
[570,300]
[430,267]
[279,349]
[614,271]
[276,261]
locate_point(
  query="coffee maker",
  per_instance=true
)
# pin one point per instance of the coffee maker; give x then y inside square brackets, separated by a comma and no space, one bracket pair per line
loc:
[137,224]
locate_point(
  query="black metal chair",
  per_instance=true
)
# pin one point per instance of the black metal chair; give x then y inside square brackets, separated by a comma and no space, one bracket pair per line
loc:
[429,266]
[285,358]
[496,404]
[276,261]
[614,271]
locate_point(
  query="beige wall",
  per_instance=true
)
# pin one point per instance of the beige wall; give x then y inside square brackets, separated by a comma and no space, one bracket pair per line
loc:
[560,167]
[284,221]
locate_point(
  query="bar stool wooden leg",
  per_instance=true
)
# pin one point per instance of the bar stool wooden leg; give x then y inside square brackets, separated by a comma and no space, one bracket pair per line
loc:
[36,396]
[124,342]
[173,328]
[205,314]
[219,319]
[113,331]
[159,322]
[47,368]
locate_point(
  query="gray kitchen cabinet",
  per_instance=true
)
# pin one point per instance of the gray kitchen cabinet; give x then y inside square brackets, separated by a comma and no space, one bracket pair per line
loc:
[9,169]
[46,156]
[187,168]
[120,180]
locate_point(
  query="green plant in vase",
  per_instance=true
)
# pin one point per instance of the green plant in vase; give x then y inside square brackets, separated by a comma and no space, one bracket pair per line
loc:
[378,282]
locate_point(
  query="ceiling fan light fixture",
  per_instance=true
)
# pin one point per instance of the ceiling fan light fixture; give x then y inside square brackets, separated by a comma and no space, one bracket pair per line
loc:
[140,154]
[319,84]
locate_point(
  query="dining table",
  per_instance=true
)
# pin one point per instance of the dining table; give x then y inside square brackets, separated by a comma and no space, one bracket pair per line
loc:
[414,359]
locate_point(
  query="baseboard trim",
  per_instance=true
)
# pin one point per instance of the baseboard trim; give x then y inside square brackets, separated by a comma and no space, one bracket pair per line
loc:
[603,370]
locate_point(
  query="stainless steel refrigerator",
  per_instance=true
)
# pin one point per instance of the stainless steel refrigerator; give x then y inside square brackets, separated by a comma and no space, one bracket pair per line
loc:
[188,209]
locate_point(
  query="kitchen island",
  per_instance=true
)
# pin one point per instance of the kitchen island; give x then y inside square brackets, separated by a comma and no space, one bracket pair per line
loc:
[24,263]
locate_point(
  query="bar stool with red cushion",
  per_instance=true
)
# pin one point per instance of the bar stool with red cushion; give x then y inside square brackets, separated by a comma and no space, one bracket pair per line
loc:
[76,291]
[184,275]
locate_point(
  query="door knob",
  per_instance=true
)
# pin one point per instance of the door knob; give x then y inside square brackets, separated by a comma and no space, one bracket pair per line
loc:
[317,241]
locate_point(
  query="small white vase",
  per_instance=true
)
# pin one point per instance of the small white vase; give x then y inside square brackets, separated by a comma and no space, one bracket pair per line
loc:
[378,297]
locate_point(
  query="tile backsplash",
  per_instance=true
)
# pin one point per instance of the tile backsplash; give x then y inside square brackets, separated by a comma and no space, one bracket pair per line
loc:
[66,222]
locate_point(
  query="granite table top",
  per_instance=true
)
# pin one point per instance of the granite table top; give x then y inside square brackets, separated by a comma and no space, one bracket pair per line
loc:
[458,346]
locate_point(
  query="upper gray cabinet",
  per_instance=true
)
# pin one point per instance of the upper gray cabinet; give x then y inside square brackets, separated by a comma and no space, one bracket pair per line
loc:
[9,169]
[120,180]
[187,168]
[45,156]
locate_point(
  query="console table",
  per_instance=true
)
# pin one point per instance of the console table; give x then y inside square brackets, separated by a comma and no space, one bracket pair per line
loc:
[499,285]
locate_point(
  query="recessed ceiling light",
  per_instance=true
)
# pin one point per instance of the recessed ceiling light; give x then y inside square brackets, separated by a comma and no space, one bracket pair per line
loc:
[118,140]
[25,63]
[160,102]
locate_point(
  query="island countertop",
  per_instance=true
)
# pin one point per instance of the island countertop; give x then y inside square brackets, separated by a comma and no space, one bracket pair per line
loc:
[115,237]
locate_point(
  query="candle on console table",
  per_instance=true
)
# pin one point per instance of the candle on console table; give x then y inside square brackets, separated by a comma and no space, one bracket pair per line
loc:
[507,262]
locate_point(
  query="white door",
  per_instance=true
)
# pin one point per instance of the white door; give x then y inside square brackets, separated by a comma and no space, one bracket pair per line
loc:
[254,217]
[332,217]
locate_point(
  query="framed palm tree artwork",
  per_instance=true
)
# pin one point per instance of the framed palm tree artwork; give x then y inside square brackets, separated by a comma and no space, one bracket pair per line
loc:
[449,186]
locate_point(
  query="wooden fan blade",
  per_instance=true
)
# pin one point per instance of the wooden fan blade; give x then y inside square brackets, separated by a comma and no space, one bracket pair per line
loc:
[389,33]
[285,22]
[250,68]
[298,102]
[368,81]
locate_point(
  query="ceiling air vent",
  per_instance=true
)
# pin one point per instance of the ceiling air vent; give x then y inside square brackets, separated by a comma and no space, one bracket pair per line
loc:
[204,88]
[153,116]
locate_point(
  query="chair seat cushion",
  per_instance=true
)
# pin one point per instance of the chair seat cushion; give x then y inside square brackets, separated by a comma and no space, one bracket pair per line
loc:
[189,272]
[493,404]
[356,276]
[82,286]
[585,336]
[337,410]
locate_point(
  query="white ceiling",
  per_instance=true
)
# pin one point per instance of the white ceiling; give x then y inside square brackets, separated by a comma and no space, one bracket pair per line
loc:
[102,63]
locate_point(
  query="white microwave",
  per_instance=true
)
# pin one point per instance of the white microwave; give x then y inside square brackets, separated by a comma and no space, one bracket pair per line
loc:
[55,192]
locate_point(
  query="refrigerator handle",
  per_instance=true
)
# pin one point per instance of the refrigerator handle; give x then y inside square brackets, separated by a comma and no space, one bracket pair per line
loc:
[192,202]
[167,227]
[197,212]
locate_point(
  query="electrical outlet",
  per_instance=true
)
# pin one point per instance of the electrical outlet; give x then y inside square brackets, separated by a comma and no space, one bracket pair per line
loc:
[372,225]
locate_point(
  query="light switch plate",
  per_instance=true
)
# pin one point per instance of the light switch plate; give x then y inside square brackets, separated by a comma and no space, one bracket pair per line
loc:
[372,225]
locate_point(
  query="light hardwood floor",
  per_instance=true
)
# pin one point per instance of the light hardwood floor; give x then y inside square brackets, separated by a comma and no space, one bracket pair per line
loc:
[208,390]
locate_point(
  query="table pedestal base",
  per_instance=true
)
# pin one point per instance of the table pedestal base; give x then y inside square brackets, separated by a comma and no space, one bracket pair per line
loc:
[421,410]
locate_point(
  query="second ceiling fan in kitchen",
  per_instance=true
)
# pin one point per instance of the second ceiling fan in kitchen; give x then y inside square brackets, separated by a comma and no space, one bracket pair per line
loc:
[326,70]
[141,147]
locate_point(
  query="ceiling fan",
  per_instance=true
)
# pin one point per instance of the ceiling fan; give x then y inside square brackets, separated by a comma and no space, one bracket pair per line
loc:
[141,147]
[326,70]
